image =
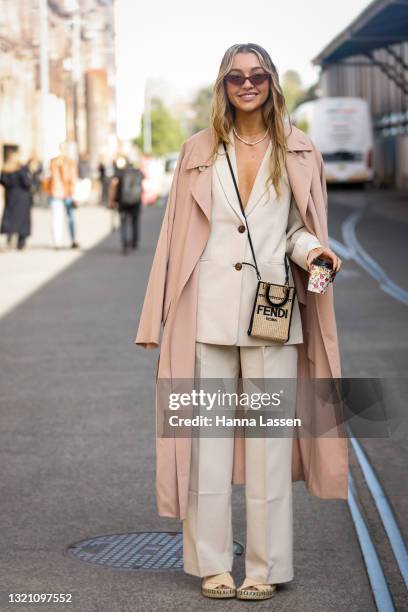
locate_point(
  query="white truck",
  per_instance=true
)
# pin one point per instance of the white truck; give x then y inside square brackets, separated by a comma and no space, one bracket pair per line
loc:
[341,128]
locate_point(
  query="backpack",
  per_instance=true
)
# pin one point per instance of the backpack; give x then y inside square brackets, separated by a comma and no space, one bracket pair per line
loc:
[130,191]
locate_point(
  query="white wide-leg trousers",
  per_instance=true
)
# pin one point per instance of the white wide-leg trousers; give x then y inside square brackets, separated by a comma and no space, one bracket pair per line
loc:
[207,527]
[58,218]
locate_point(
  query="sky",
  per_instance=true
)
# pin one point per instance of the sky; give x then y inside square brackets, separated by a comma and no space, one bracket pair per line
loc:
[177,45]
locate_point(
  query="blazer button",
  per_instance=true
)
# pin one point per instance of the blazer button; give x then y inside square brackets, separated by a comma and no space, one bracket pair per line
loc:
[241,229]
[238,266]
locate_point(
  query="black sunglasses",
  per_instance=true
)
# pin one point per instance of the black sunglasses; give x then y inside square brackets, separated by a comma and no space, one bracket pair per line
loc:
[239,79]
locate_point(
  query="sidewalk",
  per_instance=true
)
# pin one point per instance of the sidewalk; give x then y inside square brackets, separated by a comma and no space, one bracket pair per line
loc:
[23,272]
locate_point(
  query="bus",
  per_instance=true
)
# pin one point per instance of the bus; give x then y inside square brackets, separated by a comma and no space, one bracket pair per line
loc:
[341,128]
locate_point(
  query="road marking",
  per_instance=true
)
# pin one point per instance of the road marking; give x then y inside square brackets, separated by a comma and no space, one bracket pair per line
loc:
[347,273]
[340,248]
[383,598]
[354,250]
[384,510]
[379,586]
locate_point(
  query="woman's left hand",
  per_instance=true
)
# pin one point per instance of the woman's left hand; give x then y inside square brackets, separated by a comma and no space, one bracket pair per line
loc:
[325,253]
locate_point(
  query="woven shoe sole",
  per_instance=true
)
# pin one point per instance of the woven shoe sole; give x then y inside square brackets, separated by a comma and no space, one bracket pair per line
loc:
[219,586]
[218,593]
[249,593]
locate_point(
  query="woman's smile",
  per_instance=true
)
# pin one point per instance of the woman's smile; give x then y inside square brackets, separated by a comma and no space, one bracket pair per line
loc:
[248,96]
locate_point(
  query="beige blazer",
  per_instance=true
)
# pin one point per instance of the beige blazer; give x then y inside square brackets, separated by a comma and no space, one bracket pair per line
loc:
[225,294]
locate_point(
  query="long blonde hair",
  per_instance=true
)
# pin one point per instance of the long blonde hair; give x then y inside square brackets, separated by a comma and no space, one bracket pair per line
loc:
[274,110]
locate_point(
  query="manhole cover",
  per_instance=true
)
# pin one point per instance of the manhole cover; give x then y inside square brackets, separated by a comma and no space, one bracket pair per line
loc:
[148,550]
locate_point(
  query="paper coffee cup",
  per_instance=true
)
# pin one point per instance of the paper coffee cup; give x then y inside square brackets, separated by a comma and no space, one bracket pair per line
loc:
[321,275]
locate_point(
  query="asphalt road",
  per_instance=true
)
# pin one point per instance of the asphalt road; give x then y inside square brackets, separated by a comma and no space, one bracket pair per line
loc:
[77,435]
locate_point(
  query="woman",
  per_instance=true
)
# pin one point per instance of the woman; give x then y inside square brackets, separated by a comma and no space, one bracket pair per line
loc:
[201,292]
[62,181]
[17,181]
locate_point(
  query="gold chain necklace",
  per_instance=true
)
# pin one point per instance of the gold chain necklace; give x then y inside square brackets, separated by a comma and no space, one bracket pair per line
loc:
[251,144]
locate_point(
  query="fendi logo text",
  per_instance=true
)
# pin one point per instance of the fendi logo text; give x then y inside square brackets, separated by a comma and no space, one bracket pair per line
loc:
[269,311]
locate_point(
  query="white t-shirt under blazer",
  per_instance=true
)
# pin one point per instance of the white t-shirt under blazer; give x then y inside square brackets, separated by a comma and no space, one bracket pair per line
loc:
[225,294]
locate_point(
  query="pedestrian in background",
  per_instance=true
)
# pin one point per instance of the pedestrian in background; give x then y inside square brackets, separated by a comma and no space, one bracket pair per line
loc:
[83,187]
[125,193]
[17,181]
[103,183]
[36,169]
[62,181]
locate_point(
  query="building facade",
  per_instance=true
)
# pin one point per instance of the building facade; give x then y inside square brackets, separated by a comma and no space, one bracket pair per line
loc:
[78,103]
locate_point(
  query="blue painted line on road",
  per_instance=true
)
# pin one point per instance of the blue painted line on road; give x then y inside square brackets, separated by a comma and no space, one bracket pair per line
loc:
[384,510]
[339,248]
[379,586]
[383,598]
[360,256]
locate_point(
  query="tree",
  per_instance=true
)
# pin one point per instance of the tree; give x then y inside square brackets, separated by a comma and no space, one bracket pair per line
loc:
[294,91]
[292,88]
[201,106]
[167,132]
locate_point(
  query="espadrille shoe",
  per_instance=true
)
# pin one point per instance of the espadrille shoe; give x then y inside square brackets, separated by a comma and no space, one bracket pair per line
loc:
[255,590]
[219,586]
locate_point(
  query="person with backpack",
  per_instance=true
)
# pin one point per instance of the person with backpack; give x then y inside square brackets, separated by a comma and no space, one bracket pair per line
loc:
[126,195]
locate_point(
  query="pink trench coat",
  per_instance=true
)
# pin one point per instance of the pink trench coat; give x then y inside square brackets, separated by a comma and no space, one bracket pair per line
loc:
[171,299]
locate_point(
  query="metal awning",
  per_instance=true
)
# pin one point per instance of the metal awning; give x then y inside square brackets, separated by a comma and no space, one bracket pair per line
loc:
[382,24]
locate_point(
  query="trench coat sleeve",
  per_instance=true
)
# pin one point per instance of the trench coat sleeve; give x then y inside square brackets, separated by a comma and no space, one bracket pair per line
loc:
[298,240]
[151,317]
